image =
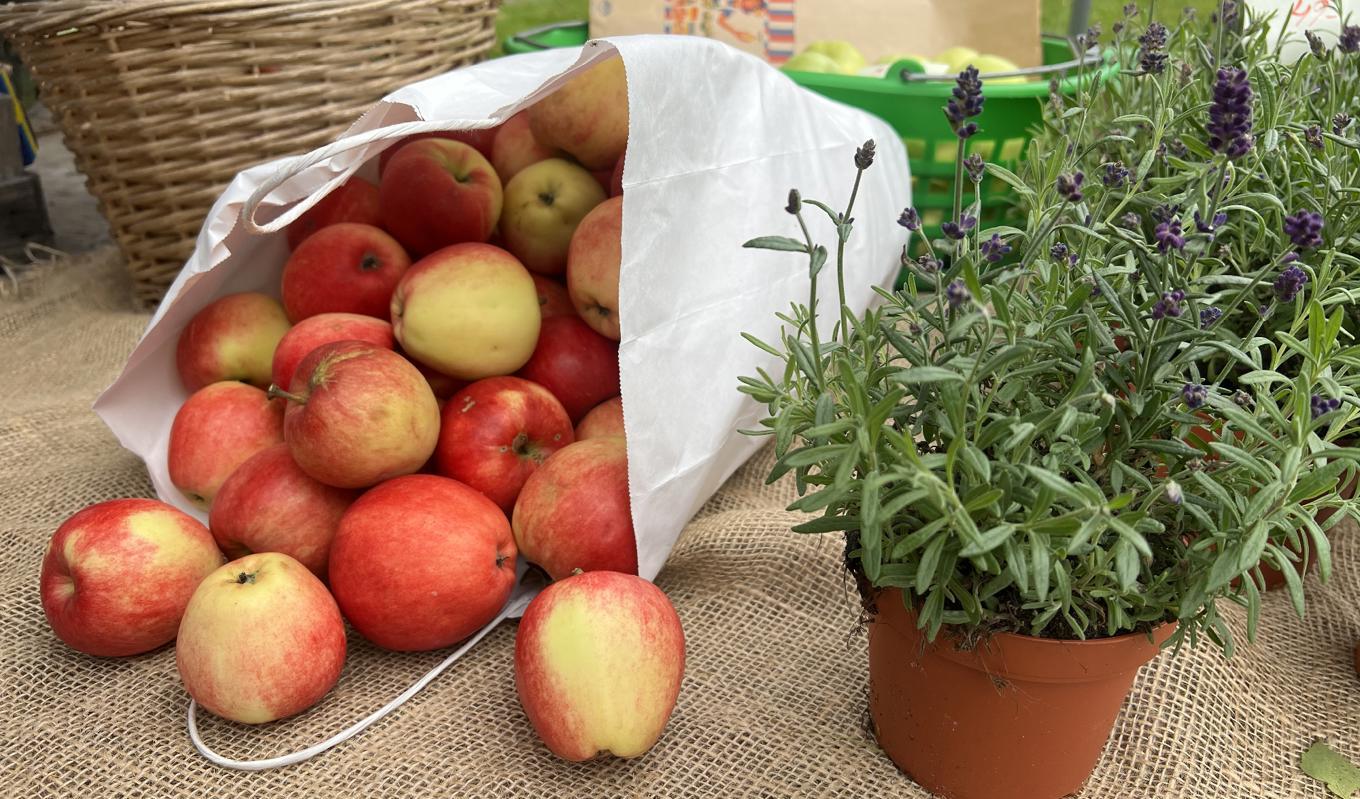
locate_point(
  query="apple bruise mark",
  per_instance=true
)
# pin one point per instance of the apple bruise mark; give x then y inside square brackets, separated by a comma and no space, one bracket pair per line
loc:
[468,403]
[369,262]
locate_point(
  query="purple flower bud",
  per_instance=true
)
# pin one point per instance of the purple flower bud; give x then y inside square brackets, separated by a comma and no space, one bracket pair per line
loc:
[1290,282]
[928,264]
[1168,305]
[975,167]
[1209,316]
[1230,114]
[994,249]
[795,202]
[1058,251]
[1152,57]
[1194,395]
[864,156]
[1130,10]
[1227,14]
[1165,213]
[1316,46]
[1350,39]
[1304,228]
[957,294]
[1169,236]
[1323,406]
[1130,220]
[1116,174]
[1242,399]
[1069,186]
[1340,122]
[1313,135]
[958,230]
[1218,221]
[1117,27]
[965,104]
[910,220]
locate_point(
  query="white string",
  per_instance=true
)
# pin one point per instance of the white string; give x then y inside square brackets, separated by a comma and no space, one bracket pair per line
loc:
[511,609]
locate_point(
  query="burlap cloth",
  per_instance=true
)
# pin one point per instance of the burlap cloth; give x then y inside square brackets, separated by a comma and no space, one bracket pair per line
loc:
[774,699]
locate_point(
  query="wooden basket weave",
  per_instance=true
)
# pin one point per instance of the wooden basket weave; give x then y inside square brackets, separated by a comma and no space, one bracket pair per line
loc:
[163,101]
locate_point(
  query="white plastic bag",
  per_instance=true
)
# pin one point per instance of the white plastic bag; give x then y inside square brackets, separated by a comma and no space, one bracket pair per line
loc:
[716,140]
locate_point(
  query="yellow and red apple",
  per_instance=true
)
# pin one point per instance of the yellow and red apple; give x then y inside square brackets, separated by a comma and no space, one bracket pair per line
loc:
[543,205]
[422,562]
[232,338]
[117,575]
[270,505]
[437,192]
[217,429]
[261,639]
[468,311]
[324,328]
[343,268]
[515,147]
[603,421]
[496,432]
[587,116]
[599,659]
[593,267]
[574,513]
[358,414]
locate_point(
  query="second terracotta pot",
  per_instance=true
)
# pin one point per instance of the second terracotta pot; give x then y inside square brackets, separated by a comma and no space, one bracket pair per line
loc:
[1016,717]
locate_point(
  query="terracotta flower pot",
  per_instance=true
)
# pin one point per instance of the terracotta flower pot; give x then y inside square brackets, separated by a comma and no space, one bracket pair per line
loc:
[1274,578]
[1017,717]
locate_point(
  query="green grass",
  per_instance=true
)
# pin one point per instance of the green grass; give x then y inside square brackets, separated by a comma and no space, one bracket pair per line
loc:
[517,15]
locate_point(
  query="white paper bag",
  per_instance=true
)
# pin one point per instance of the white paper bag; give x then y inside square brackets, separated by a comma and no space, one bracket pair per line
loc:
[716,140]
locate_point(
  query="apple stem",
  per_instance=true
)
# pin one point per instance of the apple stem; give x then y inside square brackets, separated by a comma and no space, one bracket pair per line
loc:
[275,392]
[577,571]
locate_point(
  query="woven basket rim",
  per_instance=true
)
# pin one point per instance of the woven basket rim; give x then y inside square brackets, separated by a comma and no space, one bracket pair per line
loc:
[50,17]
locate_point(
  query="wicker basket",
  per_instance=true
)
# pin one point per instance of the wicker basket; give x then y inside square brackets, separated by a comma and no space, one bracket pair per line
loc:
[163,101]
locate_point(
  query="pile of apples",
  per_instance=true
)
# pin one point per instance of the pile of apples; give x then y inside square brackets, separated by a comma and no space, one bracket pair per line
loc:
[427,403]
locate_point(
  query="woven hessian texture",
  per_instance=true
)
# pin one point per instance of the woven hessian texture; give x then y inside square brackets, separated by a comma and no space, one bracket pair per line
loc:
[163,101]
[774,699]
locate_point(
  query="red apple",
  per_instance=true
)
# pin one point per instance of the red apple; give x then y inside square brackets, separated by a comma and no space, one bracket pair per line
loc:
[270,505]
[515,147]
[579,366]
[437,192]
[422,562]
[343,268]
[496,432]
[574,512]
[603,421]
[324,328]
[358,414]
[232,338]
[599,658]
[593,267]
[355,200]
[481,139]
[261,639]
[543,205]
[117,575]
[217,429]
[469,311]
[587,116]
[553,299]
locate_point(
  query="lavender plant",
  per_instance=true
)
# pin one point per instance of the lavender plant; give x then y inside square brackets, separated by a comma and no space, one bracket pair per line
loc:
[1070,435]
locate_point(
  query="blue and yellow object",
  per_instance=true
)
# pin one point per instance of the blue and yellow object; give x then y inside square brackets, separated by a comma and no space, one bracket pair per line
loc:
[28,143]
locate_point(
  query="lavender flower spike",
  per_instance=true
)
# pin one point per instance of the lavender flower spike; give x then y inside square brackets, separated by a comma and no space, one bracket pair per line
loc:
[994,249]
[965,104]
[1169,236]
[1168,305]
[958,230]
[1290,282]
[910,219]
[1350,39]
[1152,57]
[1304,228]
[1209,316]
[1069,186]
[1230,114]
[957,294]
[1116,174]
[1194,395]
[1322,406]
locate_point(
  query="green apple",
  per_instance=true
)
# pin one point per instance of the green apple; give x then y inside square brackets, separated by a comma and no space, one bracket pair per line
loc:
[812,62]
[957,58]
[987,64]
[848,58]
